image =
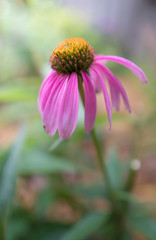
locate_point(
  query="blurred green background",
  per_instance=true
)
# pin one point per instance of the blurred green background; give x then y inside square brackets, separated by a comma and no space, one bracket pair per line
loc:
[47,185]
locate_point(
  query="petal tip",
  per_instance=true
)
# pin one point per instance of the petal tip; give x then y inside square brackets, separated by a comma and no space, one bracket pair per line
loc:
[88,130]
[145,81]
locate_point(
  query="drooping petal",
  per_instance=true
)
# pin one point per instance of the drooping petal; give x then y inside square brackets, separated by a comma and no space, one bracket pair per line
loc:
[46,82]
[115,98]
[68,114]
[115,95]
[132,66]
[46,88]
[115,83]
[105,93]
[49,77]
[51,110]
[95,81]
[90,103]
[55,108]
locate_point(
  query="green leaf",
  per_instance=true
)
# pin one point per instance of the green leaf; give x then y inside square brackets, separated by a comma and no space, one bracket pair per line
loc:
[16,226]
[42,229]
[16,93]
[126,196]
[92,191]
[8,176]
[127,236]
[40,162]
[85,227]
[45,198]
[114,169]
[56,144]
[3,156]
[145,226]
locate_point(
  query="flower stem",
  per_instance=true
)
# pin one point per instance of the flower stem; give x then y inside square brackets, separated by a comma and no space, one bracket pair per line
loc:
[81,89]
[101,161]
[3,229]
[103,167]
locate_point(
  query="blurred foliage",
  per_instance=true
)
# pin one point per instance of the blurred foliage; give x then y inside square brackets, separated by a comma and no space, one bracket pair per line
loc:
[50,189]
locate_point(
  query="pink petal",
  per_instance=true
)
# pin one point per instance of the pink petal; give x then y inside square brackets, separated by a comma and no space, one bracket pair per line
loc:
[45,90]
[115,97]
[105,93]
[46,82]
[55,108]
[95,81]
[51,110]
[50,76]
[133,67]
[116,85]
[69,108]
[114,92]
[90,103]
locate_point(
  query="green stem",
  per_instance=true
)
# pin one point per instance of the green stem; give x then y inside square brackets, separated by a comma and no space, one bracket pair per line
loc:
[134,163]
[101,161]
[3,229]
[131,180]
[81,89]
[103,166]
[134,167]
[117,213]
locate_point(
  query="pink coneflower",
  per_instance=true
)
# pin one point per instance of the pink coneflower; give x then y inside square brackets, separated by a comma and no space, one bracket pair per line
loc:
[72,61]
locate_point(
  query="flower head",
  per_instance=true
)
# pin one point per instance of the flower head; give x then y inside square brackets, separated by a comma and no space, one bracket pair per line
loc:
[72,55]
[74,61]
